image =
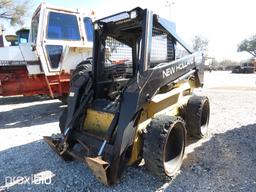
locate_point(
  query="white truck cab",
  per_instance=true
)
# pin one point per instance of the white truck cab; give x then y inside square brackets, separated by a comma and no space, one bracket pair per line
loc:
[59,39]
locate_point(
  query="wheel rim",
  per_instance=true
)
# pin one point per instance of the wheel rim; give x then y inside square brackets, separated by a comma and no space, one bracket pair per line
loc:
[205,117]
[174,149]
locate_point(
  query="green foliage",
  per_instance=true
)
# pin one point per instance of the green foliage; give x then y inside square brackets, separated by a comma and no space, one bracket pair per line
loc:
[13,10]
[248,45]
[200,43]
[222,65]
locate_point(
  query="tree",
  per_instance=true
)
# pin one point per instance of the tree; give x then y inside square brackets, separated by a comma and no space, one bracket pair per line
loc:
[200,43]
[248,45]
[13,10]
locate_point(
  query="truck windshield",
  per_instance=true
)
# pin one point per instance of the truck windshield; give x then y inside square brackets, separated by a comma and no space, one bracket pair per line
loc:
[88,28]
[62,26]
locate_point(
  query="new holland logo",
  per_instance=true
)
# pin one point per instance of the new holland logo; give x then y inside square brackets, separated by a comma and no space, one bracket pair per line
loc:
[175,68]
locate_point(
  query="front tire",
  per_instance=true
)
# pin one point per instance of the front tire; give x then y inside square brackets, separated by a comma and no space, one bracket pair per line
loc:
[164,145]
[82,70]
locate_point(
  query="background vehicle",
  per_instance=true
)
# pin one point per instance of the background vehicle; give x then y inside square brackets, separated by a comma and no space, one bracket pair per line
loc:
[21,37]
[41,63]
[244,68]
[137,102]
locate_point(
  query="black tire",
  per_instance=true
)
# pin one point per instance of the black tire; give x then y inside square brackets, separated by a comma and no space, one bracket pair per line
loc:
[197,116]
[81,68]
[62,120]
[164,145]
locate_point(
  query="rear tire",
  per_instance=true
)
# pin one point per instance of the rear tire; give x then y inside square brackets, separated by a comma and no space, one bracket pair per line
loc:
[164,145]
[197,116]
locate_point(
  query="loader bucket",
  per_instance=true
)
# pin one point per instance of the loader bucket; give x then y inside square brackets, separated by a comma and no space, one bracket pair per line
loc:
[50,141]
[54,144]
[99,168]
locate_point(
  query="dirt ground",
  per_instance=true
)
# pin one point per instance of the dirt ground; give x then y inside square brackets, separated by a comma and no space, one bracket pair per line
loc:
[225,160]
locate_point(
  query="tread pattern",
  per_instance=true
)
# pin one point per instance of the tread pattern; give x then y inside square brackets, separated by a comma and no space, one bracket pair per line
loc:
[154,143]
[82,69]
[194,114]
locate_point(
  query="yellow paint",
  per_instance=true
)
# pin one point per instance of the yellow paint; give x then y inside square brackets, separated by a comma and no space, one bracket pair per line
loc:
[169,103]
[166,103]
[136,148]
[97,122]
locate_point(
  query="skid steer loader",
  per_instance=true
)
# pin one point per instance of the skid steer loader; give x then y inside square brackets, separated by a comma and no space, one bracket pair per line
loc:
[137,102]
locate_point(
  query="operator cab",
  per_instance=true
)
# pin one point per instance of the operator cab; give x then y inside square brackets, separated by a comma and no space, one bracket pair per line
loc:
[132,46]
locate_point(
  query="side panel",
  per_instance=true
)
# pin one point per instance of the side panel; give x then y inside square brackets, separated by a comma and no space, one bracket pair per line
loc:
[141,91]
[72,56]
[11,56]
[21,55]
[31,58]
[16,81]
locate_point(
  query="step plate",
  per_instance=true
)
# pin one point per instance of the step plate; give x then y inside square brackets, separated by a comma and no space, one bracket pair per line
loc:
[99,168]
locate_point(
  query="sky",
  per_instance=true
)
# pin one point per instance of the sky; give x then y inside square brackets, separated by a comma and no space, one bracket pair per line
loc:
[224,23]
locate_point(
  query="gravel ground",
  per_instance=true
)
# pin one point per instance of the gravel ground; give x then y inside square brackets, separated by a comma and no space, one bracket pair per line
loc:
[223,161]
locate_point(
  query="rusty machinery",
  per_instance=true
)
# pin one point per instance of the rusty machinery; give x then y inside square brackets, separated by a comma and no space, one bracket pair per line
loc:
[134,100]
